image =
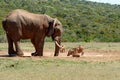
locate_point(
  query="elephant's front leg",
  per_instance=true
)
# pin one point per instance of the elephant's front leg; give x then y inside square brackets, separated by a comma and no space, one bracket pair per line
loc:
[40,48]
[35,46]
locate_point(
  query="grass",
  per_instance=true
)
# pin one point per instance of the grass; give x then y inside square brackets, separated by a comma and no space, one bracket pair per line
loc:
[30,68]
[88,46]
[58,69]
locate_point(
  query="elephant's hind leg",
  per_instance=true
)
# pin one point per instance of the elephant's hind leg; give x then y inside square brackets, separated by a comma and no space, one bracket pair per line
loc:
[11,50]
[18,49]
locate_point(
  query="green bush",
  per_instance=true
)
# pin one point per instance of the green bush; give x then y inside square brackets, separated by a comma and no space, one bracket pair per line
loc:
[82,20]
[3,38]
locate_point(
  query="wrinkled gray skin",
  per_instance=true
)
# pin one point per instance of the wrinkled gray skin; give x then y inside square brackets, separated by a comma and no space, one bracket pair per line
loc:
[20,24]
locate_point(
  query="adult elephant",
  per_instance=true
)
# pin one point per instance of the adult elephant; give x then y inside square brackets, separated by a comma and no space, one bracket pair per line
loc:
[21,24]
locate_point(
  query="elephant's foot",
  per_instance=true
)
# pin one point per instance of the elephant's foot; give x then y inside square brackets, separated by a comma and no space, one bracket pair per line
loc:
[12,53]
[36,54]
[20,54]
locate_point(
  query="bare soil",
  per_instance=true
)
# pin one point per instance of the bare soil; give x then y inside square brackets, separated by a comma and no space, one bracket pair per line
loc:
[89,55]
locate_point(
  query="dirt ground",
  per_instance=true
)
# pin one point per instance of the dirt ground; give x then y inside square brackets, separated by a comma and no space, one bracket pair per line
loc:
[89,55]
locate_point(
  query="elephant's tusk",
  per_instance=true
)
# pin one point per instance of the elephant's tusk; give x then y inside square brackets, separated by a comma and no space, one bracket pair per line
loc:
[58,44]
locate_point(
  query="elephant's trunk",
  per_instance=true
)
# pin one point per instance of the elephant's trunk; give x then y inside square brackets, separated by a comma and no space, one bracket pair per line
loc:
[58,44]
[57,47]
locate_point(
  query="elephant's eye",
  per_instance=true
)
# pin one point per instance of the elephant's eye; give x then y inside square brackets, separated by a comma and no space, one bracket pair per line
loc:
[57,24]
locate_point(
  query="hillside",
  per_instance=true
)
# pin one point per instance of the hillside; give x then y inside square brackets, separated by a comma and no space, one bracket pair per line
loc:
[82,20]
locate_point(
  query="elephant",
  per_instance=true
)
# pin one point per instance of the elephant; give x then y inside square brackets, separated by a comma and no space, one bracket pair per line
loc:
[21,24]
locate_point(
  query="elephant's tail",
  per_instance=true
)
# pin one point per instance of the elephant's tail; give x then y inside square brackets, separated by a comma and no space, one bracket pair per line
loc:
[4,24]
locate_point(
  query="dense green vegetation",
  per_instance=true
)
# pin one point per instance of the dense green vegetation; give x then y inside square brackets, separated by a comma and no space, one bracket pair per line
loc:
[82,20]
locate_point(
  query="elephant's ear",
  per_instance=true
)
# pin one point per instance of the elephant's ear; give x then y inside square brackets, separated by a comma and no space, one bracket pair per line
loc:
[54,23]
[51,27]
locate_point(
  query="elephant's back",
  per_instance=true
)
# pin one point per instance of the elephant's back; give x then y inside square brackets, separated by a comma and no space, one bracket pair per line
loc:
[16,12]
[23,16]
[13,16]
